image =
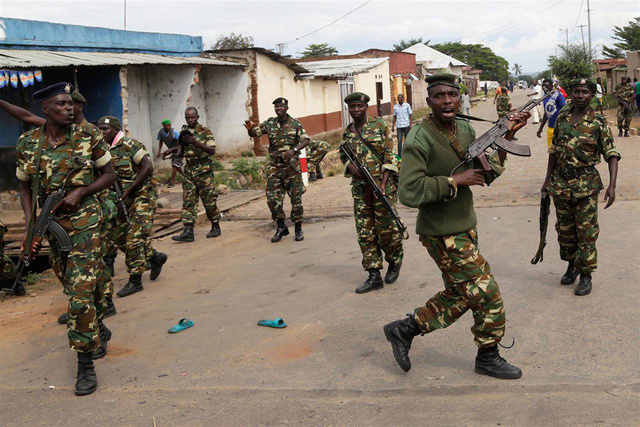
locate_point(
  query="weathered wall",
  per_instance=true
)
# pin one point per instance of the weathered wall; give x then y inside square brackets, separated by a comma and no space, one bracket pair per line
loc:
[366,83]
[135,105]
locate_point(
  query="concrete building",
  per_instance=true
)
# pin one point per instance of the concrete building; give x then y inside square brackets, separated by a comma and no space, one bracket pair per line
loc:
[141,78]
[432,61]
[614,69]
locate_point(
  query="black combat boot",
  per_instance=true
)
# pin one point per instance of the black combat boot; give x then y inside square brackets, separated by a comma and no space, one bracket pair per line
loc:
[110,261]
[20,291]
[400,334]
[626,132]
[319,174]
[111,308]
[299,234]
[105,336]
[133,285]
[372,283]
[619,132]
[62,319]
[392,273]
[185,236]
[489,362]
[157,261]
[281,231]
[312,177]
[584,285]
[215,230]
[86,382]
[570,275]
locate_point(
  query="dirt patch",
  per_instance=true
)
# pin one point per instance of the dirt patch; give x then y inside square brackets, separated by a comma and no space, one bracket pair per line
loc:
[115,350]
[291,352]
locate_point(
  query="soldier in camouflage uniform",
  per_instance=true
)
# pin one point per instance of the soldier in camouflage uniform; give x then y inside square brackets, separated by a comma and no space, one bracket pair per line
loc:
[447,228]
[376,226]
[503,103]
[56,154]
[286,138]
[7,267]
[316,150]
[624,95]
[134,174]
[197,146]
[581,136]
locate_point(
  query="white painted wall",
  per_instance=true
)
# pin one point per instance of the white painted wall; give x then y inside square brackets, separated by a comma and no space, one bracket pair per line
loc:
[366,82]
[137,103]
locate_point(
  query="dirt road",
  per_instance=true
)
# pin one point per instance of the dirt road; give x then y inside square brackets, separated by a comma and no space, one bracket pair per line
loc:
[332,364]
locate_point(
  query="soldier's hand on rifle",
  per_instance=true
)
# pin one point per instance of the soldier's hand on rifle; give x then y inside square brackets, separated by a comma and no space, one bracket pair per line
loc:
[125,195]
[248,125]
[609,196]
[354,171]
[189,139]
[545,184]
[520,120]
[469,177]
[288,155]
[71,201]
[36,246]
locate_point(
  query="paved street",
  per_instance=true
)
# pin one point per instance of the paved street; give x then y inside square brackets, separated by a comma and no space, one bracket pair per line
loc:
[332,364]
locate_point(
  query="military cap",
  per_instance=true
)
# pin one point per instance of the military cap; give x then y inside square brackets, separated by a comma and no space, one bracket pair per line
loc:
[356,97]
[77,97]
[111,121]
[53,90]
[584,83]
[441,79]
[280,100]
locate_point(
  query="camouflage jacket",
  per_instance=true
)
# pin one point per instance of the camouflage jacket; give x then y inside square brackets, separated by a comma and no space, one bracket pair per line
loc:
[57,165]
[579,146]
[376,132]
[503,103]
[126,155]
[197,161]
[281,138]
[625,93]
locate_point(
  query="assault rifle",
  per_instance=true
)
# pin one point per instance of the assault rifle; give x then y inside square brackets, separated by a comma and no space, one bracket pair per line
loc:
[122,206]
[45,223]
[370,180]
[494,139]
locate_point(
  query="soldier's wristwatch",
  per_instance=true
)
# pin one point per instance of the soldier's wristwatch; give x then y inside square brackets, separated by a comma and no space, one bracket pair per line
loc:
[296,149]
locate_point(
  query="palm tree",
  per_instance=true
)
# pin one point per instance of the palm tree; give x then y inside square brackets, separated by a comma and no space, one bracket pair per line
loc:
[517,69]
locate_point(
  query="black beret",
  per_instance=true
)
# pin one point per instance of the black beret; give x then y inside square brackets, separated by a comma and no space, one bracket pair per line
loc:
[584,83]
[111,121]
[77,97]
[53,90]
[441,79]
[280,100]
[356,97]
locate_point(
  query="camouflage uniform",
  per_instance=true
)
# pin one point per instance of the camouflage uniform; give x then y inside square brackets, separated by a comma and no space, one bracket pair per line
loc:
[80,268]
[503,104]
[376,227]
[316,150]
[282,176]
[7,267]
[575,184]
[132,238]
[198,179]
[624,93]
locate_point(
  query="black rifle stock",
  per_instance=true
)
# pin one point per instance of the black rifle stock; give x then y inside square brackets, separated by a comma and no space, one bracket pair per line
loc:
[122,207]
[494,139]
[377,191]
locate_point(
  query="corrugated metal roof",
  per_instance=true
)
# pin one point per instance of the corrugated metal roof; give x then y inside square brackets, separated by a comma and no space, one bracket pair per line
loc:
[294,66]
[435,58]
[341,67]
[14,58]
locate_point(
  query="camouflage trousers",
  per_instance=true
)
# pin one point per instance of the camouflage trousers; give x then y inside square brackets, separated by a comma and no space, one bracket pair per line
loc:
[133,238]
[7,267]
[281,179]
[201,186]
[109,224]
[577,228]
[376,228]
[78,271]
[624,118]
[316,150]
[468,284]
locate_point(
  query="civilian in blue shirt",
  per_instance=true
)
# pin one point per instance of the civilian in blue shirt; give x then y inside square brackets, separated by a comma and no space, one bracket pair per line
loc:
[402,114]
[552,107]
[169,136]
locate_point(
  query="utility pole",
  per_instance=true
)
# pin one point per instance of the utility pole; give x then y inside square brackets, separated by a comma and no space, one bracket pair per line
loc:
[582,32]
[589,29]
[125,14]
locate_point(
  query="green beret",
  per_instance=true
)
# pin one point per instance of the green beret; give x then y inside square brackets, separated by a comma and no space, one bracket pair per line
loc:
[356,97]
[584,83]
[111,121]
[280,100]
[441,79]
[77,97]
[166,122]
[62,88]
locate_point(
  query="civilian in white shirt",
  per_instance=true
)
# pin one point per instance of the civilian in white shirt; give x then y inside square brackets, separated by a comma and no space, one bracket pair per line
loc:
[599,95]
[402,114]
[537,94]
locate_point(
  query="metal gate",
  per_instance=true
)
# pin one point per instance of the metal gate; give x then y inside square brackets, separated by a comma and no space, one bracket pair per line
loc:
[346,87]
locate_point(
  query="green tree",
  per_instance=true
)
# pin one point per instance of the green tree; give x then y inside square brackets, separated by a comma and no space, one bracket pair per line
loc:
[322,49]
[233,41]
[480,57]
[572,62]
[527,78]
[546,74]
[517,69]
[403,44]
[629,39]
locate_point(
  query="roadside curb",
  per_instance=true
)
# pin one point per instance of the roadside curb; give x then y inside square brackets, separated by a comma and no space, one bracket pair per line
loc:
[632,131]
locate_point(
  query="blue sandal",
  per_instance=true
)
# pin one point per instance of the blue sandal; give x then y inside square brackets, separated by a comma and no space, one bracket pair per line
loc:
[181,326]
[278,322]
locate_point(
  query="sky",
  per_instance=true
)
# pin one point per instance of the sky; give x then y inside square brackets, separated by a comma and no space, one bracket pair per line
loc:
[522,32]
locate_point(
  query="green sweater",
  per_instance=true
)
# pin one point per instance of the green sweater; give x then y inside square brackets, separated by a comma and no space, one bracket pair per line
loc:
[427,161]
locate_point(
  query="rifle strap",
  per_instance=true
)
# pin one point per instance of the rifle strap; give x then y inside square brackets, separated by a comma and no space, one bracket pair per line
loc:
[478,119]
[35,189]
[367,143]
[429,125]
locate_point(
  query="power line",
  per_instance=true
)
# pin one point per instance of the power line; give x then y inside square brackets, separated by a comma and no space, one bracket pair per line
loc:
[331,23]
[578,18]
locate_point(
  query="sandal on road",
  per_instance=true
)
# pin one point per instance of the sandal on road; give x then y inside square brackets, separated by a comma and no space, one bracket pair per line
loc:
[181,326]
[278,322]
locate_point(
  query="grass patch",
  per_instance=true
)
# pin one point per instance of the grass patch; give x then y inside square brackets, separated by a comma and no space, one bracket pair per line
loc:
[250,168]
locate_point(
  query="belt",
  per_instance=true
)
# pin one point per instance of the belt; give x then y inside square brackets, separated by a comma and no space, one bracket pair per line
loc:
[576,172]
